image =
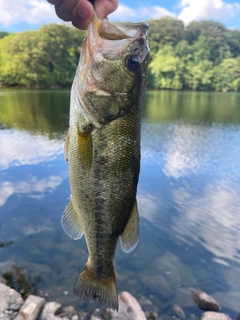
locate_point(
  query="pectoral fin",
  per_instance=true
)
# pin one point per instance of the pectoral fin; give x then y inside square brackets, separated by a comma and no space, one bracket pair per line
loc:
[71,222]
[85,148]
[66,145]
[129,237]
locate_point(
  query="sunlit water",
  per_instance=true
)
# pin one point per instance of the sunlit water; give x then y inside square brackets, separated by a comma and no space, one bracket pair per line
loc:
[188,196]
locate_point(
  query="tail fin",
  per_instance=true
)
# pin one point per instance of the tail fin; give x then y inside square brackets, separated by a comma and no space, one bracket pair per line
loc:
[90,285]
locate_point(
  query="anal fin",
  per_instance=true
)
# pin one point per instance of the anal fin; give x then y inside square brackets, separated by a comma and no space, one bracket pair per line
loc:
[129,237]
[71,222]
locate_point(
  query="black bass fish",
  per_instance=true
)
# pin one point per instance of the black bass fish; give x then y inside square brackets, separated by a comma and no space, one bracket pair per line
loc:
[103,150]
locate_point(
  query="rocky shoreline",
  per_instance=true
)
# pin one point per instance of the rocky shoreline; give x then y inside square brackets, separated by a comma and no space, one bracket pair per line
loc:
[13,307]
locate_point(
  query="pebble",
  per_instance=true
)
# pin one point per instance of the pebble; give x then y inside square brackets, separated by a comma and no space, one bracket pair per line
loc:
[9,299]
[129,309]
[151,315]
[3,280]
[211,315]
[31,308]
[204,301]
[13,307]
[178,311]
[49,311]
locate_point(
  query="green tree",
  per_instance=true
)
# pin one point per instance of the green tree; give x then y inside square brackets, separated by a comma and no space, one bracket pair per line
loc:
[199,76]
[215,37]
[233,40]
[3,34]
[227,75]
[166,70]
[165,31]
[48,56]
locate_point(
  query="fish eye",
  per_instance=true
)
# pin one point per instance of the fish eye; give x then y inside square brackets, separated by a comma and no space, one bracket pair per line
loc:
[133,63]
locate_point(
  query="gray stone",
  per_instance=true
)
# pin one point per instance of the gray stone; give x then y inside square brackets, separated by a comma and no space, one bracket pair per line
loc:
[129,309]
[175,272]
[83,315]
[31,308]
[49,311]
[204,301]
[157,284]
[211,315]
[151,315]
[68,312]
[178,311]
[184,298]
[3,280]
[10,299]
[3,316]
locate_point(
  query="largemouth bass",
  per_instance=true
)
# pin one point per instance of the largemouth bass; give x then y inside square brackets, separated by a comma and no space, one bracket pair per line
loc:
[103,150]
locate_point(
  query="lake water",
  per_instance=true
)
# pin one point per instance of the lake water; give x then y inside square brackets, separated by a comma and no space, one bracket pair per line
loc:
[188,196]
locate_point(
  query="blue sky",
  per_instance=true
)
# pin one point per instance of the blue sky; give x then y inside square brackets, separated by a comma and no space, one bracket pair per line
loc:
[19,15]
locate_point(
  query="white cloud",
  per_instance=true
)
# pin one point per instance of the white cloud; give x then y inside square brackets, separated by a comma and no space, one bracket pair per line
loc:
[212,219]
[37,12]
[32,187]
[188,10]
[154,12]
[208,9]
[33,12]
[124,13]
[21,148]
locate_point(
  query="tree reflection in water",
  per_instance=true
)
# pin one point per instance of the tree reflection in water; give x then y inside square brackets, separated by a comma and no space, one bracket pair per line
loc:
[18,280]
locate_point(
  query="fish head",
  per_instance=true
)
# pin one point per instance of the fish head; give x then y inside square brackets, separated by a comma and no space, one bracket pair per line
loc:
[113,68]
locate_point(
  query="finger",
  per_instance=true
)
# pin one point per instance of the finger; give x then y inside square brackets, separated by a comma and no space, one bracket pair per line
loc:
[82,14]
[64,9]
[55,2]
[105,7]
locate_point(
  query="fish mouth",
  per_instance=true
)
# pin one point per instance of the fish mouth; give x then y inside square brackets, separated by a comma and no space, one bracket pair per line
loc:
[111,39]
[107,41]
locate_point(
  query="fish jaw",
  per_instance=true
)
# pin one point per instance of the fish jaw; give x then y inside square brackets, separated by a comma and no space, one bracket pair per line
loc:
[102,73]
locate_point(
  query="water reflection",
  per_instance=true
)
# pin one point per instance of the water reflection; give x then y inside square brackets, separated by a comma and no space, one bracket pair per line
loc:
[188,196]
[17,279]
[212,219]
[43,112]
[20,148]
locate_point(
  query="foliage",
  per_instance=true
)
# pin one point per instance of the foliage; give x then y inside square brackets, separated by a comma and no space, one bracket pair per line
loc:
[3,34]
[45,57]
[201,56]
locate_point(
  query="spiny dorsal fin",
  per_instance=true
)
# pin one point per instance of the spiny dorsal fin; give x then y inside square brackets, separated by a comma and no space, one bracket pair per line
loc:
[129,237]
[71,222]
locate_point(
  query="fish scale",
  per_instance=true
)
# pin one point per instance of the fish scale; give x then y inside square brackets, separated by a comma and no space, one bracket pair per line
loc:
[103,151]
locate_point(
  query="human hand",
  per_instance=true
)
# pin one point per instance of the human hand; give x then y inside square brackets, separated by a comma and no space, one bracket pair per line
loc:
[80,12]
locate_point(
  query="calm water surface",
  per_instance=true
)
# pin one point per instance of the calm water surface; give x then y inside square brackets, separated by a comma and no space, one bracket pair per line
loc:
[188,195]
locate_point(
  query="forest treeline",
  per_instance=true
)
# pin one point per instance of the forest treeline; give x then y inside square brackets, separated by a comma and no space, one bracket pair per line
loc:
[202,56]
